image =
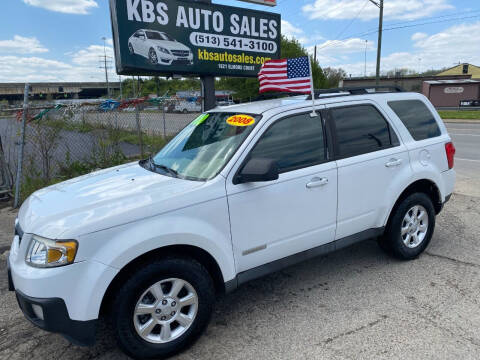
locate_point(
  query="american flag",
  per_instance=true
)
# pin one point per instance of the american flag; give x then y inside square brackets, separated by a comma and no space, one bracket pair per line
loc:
[290,75]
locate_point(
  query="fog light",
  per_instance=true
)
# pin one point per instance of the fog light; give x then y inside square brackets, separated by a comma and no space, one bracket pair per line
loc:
[38,311]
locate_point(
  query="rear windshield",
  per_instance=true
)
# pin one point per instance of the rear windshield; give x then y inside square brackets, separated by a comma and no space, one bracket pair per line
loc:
[417,118]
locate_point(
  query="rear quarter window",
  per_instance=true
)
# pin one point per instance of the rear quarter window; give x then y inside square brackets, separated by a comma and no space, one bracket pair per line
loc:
[417,118]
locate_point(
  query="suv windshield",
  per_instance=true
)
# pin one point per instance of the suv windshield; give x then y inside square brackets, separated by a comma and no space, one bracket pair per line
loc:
[201,150]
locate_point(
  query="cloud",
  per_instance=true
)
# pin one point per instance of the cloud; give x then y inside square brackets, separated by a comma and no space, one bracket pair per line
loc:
[92,55]
[21,45]
[419,36]
[83,65]
[21,69]
[349,46]
[436,51]
[292,32]
[393,9]
[81,7]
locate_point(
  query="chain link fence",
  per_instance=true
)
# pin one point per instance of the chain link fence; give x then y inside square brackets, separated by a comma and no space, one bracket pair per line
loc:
[66,141]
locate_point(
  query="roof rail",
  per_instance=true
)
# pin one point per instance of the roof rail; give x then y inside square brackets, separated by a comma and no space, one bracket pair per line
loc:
[276,95]
[358,90]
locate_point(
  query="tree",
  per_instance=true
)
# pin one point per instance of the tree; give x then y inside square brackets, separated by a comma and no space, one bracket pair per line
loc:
[247,88]
[333,76]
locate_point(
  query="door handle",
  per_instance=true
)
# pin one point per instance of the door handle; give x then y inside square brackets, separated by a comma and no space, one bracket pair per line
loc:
[316,182]
[393,162]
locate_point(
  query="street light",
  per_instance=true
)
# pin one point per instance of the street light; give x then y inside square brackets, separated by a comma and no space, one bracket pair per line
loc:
[379,45]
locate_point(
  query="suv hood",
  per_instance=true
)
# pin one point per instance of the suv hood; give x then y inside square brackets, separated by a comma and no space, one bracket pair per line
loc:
[103,199]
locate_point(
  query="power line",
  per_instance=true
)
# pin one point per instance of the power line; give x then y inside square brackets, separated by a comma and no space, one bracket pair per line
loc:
[353,19]
[432,22]
[434,17]
[336,43]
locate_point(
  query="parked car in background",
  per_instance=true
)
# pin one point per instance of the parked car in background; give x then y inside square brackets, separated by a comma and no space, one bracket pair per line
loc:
[241,192]
[159,48]
[225,102]
[188,106]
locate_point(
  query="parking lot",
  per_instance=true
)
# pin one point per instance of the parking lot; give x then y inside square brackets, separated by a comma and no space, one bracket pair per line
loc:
[354,304]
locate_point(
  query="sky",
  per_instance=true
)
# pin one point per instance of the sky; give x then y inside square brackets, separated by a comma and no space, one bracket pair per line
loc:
[61,40]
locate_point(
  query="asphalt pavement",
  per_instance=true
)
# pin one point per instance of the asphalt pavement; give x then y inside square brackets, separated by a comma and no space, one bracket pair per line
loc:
[357,303]
[466,138]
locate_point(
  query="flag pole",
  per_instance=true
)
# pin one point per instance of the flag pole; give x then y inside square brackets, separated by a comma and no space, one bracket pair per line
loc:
[313,113]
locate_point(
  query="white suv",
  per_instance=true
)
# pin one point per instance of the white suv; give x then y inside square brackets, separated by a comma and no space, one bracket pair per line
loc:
[241,192]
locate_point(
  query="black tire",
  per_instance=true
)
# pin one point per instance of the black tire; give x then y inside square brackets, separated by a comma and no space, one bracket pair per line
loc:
[127,296]
[185,111]
[152,56]
[392,241]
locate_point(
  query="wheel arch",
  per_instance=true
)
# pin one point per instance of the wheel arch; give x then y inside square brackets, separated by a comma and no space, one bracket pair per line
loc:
[425,186]
[183,251]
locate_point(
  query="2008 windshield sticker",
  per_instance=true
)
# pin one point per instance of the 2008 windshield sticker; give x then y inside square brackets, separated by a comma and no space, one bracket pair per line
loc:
[240,120]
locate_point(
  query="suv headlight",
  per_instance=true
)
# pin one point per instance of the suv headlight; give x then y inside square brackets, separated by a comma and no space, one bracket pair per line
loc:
[50,253]
[162,49]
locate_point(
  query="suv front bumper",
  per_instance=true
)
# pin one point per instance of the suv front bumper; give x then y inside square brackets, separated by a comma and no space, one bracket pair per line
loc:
[52,315]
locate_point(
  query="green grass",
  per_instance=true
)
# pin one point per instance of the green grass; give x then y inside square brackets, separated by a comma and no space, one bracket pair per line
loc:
[456,114]
[154,142]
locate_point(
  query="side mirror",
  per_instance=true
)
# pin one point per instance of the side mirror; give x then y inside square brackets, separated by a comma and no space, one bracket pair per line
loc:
[257,170]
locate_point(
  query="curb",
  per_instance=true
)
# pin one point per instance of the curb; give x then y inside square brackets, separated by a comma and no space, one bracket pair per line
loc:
[465,121]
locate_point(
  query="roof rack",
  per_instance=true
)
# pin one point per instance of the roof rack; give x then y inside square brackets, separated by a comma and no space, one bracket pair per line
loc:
[358,90]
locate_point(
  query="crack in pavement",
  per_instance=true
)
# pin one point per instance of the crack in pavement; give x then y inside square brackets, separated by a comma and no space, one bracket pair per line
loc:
[452,259]
[360,328]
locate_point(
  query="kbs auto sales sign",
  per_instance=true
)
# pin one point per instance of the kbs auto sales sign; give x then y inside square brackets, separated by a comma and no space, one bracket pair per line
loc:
[167,37]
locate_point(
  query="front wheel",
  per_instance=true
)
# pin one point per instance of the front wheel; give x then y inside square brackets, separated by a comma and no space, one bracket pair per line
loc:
[410,227]
[162,308]
[152,56]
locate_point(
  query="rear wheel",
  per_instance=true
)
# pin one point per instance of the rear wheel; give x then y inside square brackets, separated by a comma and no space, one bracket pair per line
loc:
[163,308]
[410,227]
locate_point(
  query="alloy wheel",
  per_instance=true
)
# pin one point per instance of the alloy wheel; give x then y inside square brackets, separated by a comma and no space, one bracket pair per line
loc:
[165,311]
[153,57]
[414,226]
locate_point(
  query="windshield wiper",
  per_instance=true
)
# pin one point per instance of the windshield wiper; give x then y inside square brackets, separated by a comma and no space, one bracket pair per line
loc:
[165,168]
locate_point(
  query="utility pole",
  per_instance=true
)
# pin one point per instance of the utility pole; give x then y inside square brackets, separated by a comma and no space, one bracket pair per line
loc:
[105,65]
[366,44]
[379,45]
[315,55]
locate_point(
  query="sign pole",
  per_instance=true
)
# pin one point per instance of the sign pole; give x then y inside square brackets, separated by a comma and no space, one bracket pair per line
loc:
[208,82]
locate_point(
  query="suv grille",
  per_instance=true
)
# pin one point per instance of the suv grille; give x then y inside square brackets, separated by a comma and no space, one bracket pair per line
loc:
[180,53]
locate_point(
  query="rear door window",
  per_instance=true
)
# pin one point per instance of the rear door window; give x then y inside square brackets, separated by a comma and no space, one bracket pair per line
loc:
[360,130]
[417,118]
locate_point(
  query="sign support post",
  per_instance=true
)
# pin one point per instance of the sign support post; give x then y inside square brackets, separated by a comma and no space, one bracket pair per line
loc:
[209,101]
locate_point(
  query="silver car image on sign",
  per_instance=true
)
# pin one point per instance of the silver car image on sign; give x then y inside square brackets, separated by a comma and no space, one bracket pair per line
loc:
[159,48]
